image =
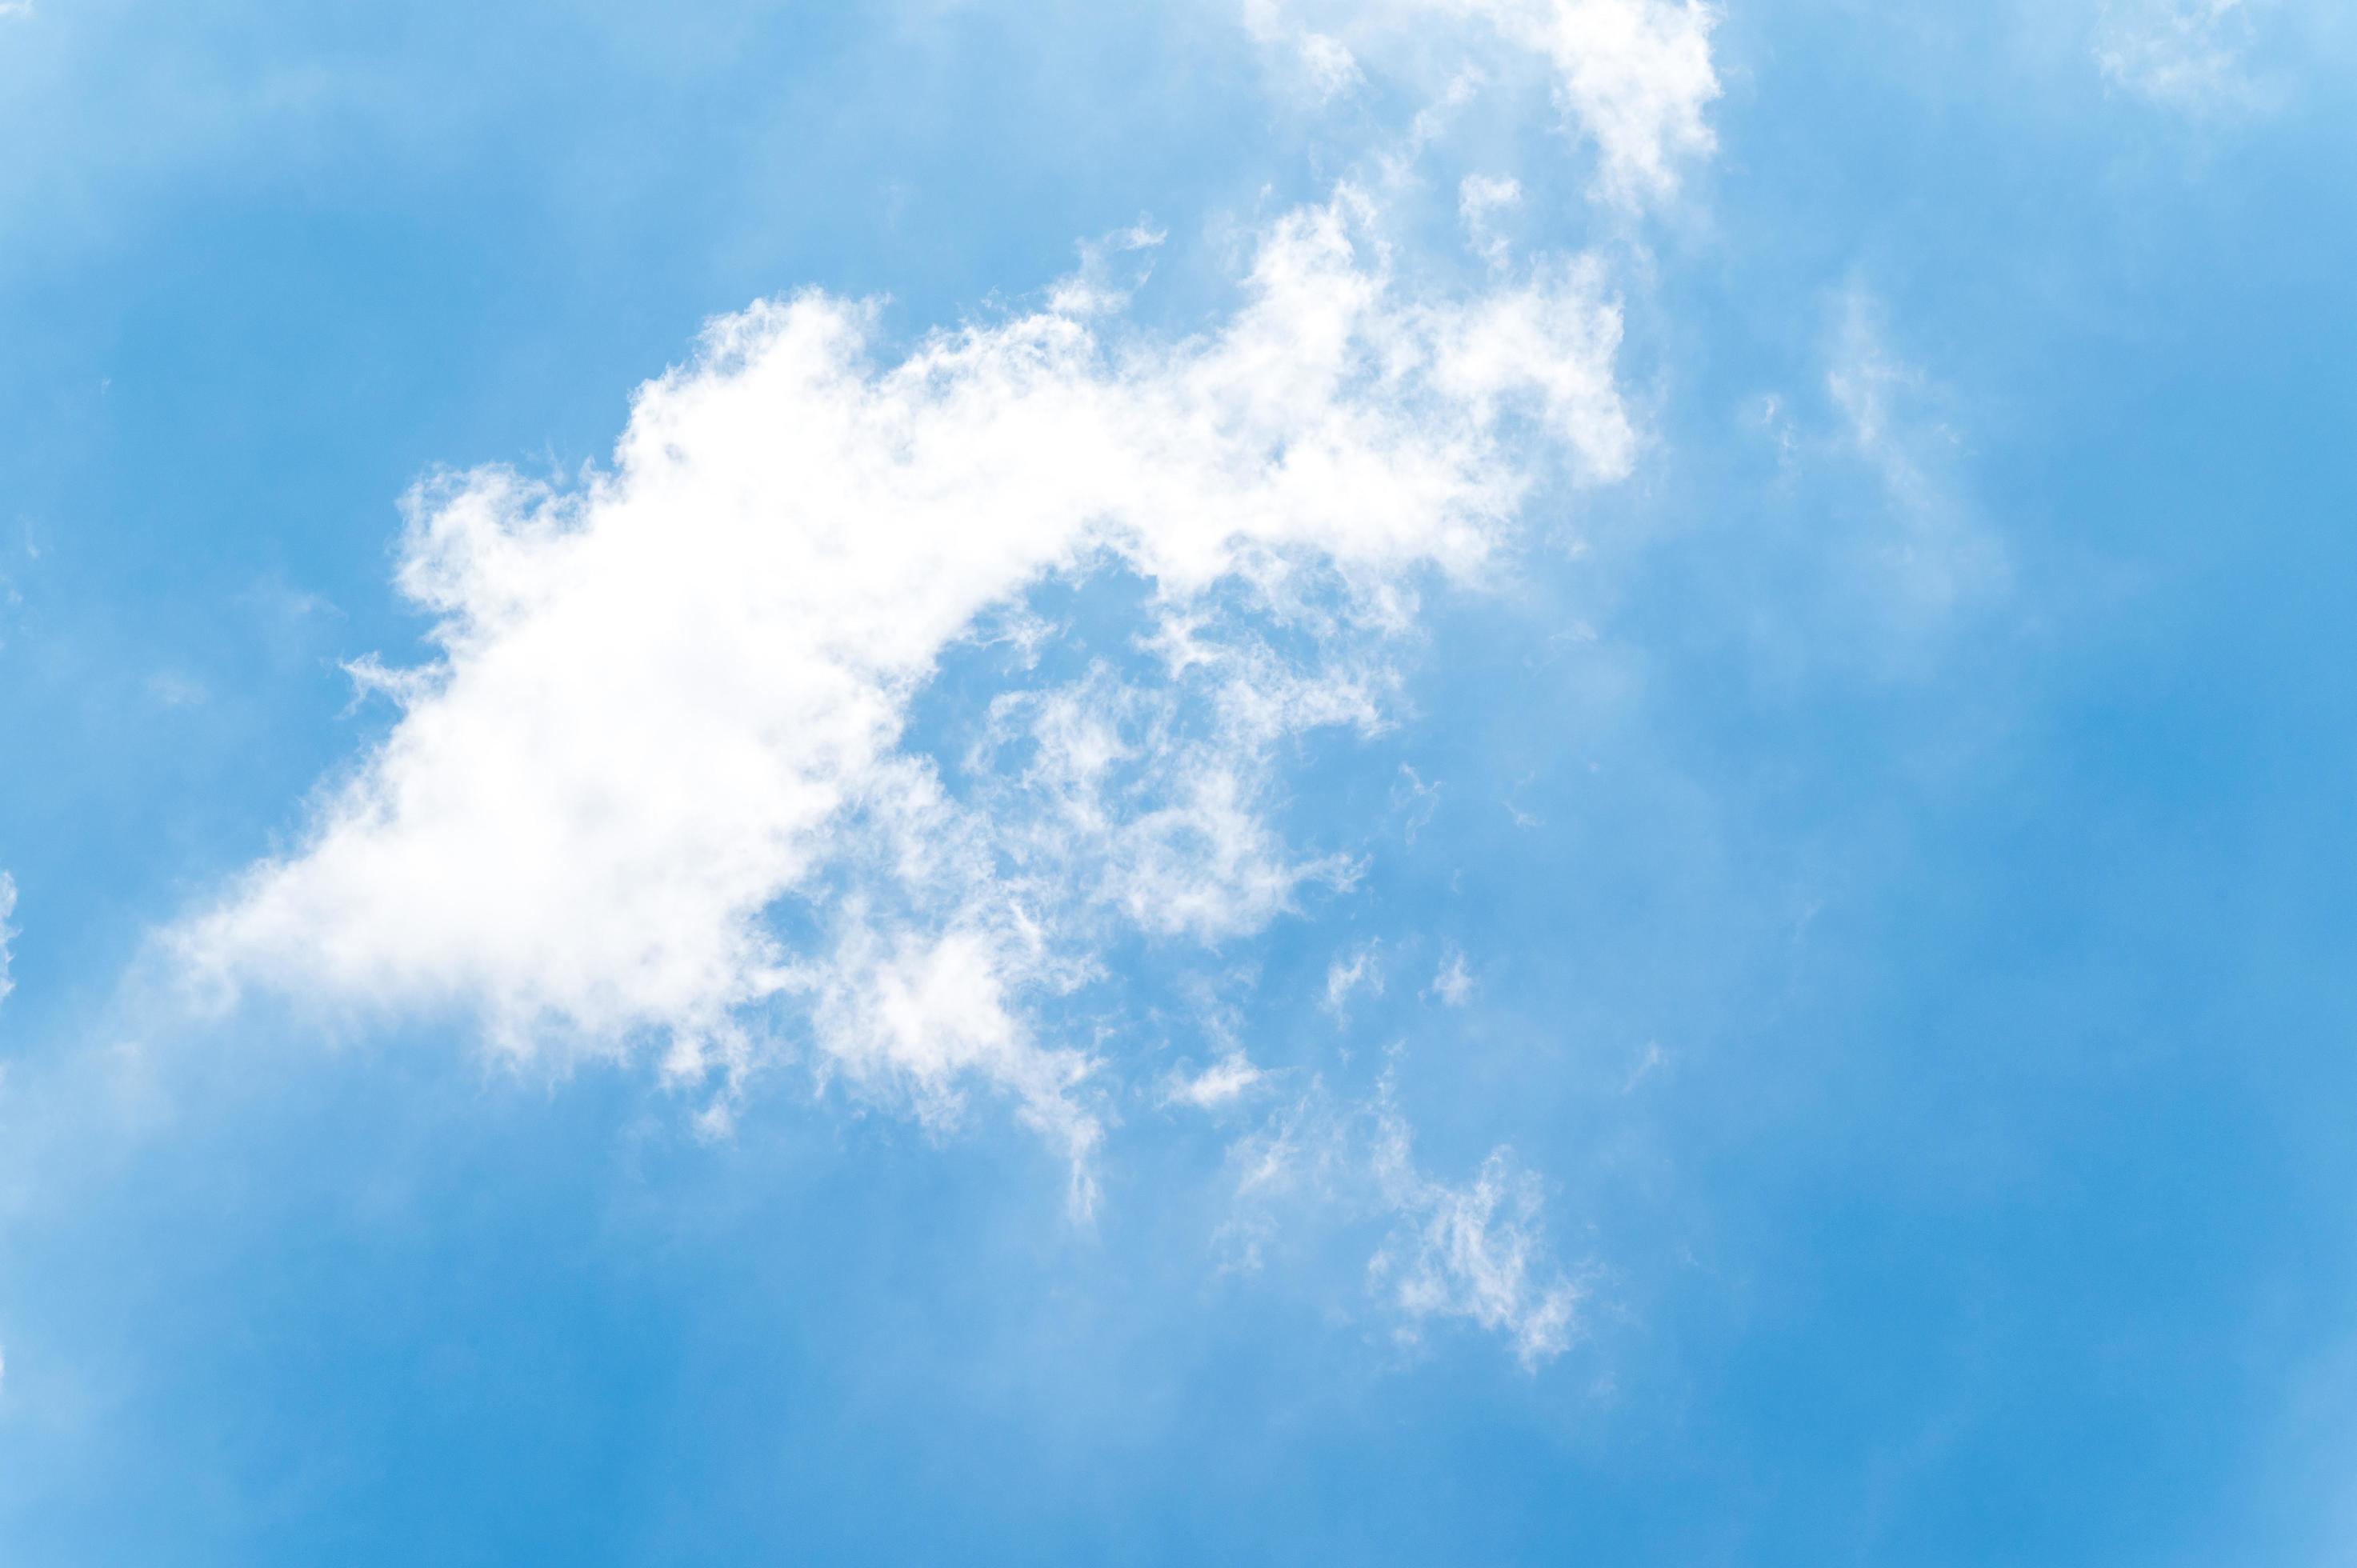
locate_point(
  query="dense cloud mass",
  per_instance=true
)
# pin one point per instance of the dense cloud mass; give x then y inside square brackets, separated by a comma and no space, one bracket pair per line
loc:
[672,696]
[659,786]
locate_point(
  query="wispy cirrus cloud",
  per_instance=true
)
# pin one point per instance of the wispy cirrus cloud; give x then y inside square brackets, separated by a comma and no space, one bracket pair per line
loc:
[1453,984]
[2189,55]
[1361,972]
[1935,550]
[8,932]
[1476,1251]
[1473,1251]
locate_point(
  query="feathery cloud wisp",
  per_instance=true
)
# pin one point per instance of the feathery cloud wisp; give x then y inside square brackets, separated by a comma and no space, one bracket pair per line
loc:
[2190,55]
[8,932]
[1475,1253]
[1634,79]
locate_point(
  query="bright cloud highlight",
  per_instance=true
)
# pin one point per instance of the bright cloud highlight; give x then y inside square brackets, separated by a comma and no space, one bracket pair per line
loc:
[669,702]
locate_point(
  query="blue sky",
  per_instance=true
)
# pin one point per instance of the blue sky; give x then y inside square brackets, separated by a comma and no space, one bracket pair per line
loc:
[1453,780]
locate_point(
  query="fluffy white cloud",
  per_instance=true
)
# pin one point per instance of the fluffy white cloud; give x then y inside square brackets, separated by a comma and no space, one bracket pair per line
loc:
[1636,76]
[655,784]
[1225,1081]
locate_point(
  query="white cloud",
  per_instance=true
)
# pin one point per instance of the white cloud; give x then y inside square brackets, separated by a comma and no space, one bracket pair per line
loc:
[920,1012]
[171,689]
[1635,75]
[1331,65]
[1152,810]
[2191,55]
[1325,62]
[8,932]
[665,725]
[1477,1251]
[1223,1082]
[1651,1059]
[1454,984]
[1634,78]
[1093,290]
[1345,977]
[1935,551]
[1479,197]
[1416,802]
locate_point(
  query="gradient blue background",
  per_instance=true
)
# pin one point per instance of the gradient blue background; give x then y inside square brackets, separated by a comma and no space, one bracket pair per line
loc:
[1991,1203]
